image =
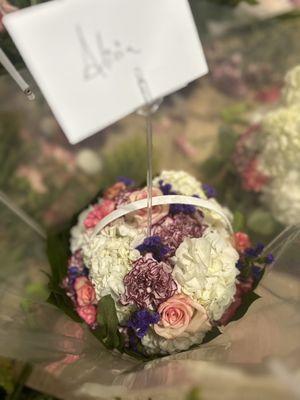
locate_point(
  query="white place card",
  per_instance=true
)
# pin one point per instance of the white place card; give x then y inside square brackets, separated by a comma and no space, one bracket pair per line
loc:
[97,61]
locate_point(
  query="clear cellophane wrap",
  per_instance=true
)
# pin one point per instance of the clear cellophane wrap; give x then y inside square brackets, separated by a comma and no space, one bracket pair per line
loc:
[256,357]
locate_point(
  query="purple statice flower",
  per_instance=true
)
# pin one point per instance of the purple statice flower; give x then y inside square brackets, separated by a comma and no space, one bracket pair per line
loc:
[126,181]
[76,261]
[174,229]
[182,208]
[256,271]
[269,259]
[140,321]
[154,245]
[254,252]
[148,284]
[166,188]
[210,191]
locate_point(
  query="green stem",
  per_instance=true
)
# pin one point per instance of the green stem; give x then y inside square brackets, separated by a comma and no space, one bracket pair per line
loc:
[23,377]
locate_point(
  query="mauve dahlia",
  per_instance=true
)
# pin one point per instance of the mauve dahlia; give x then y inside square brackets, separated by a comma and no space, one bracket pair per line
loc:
[173,230]
[149,283]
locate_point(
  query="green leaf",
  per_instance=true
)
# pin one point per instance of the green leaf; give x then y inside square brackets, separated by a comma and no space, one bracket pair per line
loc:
[261,221]
[248,299]
[227,141]
[194,394]
[58,252]
[238,221]
[212,334]
[108,321]
[59,299]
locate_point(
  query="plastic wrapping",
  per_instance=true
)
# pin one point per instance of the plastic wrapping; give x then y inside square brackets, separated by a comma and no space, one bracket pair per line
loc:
[256,357]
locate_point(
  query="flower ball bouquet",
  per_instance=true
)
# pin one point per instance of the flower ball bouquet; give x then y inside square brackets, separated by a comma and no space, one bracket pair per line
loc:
[151,294]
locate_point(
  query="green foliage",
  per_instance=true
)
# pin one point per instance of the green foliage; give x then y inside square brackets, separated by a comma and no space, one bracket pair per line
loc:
[129,159]
[194,394]
[6,376]
[58,252]
[107,318]
[238,221]
[212,334]
[248,299]
[261,222]
[10,147]
[234,3]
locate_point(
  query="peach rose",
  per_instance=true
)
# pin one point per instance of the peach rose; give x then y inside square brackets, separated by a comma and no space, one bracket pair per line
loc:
[112,192]
[85,292]
[87,313]
[158,212]
[180,316]
[242,241]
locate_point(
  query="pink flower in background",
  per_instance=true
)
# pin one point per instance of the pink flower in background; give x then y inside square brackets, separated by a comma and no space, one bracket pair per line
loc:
[99,212]
[88,314]
[85,292]
[185,146]
[242,241]
[149,283]
[158,212]
[113,191]
[269,95]
[180,315]
[5,8]
[34,177]
[252,178]
[245,147]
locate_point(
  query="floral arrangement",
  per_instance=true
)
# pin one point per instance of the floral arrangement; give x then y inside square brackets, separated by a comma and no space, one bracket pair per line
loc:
[160,294]
[266,155]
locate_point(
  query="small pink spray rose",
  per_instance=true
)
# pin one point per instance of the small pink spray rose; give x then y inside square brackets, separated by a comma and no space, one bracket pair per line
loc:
[85,293]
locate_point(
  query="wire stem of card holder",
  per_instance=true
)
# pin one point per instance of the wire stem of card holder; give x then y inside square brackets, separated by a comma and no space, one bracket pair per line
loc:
[150,108]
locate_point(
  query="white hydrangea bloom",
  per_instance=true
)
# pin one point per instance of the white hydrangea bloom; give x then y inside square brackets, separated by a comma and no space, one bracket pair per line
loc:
[280,142]
[291,91]
[205,270]
[155,344]
[78,231]
[109,256]
[181,182]
[283,198]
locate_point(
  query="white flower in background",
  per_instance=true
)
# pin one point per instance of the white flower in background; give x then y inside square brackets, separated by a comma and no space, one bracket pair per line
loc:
[205,270]
[181,182]
[283,198]
[89,161]
[291,91]
[109,256]
[280,142]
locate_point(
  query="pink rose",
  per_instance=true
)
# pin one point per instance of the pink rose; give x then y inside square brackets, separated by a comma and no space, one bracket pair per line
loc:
[87,313]
[113,191]
[99,212]
[242,241]
[179,316]
[158,212]
[85,292]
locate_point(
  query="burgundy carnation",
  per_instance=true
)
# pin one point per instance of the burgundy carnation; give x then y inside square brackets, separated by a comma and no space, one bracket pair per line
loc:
[173,230]
[149,283]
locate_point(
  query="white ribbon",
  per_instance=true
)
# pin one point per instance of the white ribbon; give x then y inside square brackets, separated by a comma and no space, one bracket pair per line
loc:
[161,200]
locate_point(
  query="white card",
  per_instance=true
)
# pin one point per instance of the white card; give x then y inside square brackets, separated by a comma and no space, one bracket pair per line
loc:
[97,61]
